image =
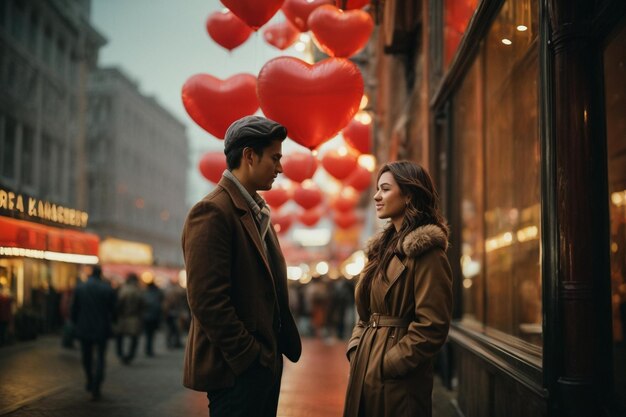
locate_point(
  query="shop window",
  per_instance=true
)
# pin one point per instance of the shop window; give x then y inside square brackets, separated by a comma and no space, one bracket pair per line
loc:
[615,96]
[456,17]
[496,129]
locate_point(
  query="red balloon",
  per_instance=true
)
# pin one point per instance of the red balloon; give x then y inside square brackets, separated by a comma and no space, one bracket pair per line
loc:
[227,29]
[346,200]
[339,165]
[358,135]
[345,220]
[281,35]
[212,165]
[298,11]
[255,13]
[310,217]
[299,166]
[281,222]
[352,4]
[360,179]
[307,195]
[313,102]
[276,197]
[214,104]
[340,33]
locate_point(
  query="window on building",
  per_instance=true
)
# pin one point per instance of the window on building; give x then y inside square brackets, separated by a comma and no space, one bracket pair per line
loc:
[615,96]
[18,20]
[28,156]
[496,130]
[61,57]
[33,32]
[9,147]
[48,45]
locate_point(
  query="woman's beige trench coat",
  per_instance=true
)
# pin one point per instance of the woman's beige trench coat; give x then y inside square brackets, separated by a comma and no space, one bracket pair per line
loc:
[391,371]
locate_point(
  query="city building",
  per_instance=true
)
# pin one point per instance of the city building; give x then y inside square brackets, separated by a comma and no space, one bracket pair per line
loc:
[518,109]
[47,49]
[138,157]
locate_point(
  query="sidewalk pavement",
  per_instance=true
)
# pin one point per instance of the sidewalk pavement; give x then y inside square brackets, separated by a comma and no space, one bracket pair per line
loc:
[41,379]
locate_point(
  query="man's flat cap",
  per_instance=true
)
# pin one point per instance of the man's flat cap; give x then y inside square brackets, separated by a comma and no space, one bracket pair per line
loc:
[245,131]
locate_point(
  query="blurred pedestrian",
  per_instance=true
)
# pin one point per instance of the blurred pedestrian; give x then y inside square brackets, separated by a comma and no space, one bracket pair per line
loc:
[130,306]
[6,313]
[237,281]
[92,311]
[404,300]
[152,313]
[174,300]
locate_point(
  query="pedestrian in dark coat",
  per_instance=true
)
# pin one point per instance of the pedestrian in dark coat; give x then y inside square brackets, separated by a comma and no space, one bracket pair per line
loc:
[237,281]
[404,300]
[92,311]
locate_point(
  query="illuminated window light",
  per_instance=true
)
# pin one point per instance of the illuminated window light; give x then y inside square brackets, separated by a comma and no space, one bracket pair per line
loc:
[507,41]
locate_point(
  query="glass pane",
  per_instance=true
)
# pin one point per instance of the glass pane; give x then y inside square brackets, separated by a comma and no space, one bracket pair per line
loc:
[469,139]
[512,169]
[615,93]
[456,16]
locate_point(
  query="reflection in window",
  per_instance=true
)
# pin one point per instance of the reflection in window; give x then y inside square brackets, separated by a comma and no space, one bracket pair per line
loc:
[497,134]
[456,16]
[615,96]
[467,124]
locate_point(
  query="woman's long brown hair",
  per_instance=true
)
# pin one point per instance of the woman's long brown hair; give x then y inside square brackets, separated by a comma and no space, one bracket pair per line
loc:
[422,209]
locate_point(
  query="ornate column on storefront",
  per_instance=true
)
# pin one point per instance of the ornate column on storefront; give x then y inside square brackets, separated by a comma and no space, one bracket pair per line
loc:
[580,333]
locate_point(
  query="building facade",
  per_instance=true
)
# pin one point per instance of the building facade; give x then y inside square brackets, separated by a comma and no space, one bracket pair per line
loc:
[138,157]
[47,49]
[518,109]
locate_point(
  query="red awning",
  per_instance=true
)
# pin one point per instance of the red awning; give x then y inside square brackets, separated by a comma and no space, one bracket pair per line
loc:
[28,235]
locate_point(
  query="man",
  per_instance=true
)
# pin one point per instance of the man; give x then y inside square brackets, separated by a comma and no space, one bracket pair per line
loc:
[236,281]
[92,311]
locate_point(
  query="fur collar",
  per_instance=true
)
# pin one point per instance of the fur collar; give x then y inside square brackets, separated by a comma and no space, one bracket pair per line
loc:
[418,241]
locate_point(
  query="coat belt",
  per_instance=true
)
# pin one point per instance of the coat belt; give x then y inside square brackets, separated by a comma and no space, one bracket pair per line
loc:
[379,320]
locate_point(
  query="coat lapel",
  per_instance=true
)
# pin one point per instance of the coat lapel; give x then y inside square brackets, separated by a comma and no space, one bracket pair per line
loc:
[394,270]
[246,219]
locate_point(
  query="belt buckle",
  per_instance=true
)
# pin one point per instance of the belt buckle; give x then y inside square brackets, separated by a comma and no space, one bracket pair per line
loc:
[375,320]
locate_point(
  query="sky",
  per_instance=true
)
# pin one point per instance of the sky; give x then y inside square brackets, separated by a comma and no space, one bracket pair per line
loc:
[160,44]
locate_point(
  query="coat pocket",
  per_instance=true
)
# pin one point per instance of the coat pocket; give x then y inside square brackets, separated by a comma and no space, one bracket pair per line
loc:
[390,341]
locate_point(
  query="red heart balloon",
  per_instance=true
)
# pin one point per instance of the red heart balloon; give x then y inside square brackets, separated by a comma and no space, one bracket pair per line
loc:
[339,164]
[282,222]
[358,135]
[360,179]
[345,220]
[307,195]
[299,166]
[298,11]
[281,35]
[313,102]
[340,33]
[346,200]
[352,4]
[227,29]
[254,12]
[310,217]
[214,104]
[276,197]
[212,166]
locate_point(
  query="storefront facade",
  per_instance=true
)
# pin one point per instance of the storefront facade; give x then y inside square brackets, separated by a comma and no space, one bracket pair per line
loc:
[43,249]
[518,109]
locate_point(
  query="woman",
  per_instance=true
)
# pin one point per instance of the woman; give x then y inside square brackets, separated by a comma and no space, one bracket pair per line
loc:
[404,300]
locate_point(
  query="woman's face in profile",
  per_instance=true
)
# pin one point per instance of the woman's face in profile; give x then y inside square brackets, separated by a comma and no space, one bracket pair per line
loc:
[390,203]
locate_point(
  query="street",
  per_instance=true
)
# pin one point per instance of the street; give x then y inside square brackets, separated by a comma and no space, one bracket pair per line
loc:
[41,379]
